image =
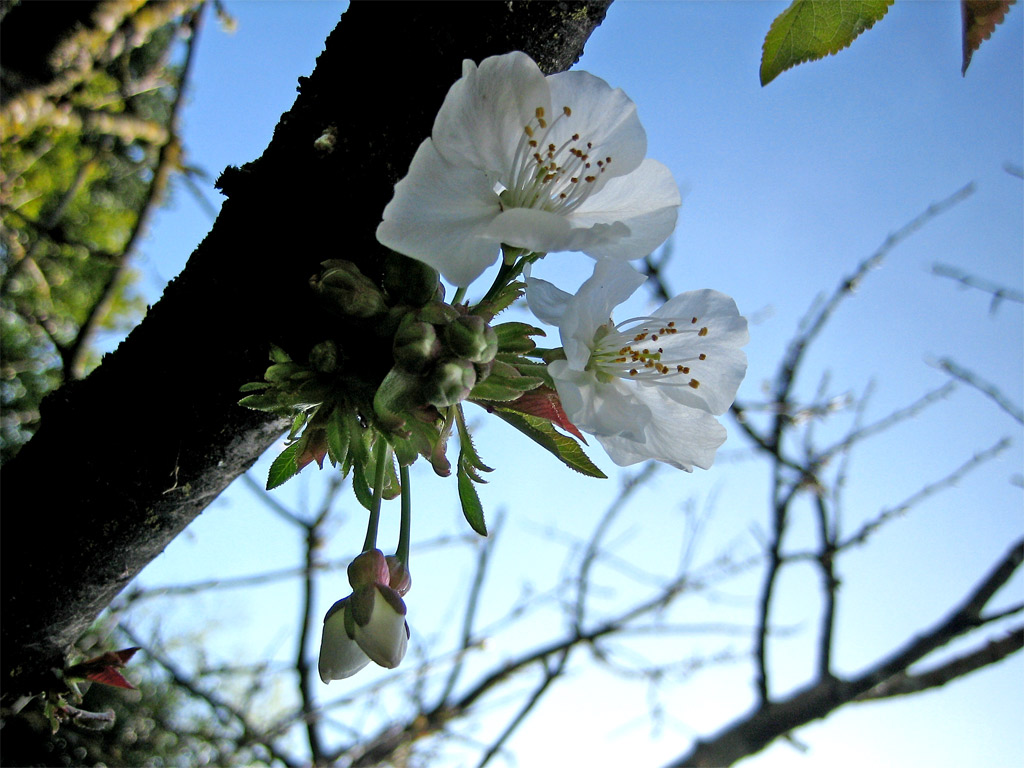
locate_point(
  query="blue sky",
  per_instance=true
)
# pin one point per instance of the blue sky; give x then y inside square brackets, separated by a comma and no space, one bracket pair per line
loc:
[786,188]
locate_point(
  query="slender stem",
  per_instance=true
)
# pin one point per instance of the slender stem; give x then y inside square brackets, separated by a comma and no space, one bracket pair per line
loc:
[382,453]
[405,527]
[509,271]
[460,294]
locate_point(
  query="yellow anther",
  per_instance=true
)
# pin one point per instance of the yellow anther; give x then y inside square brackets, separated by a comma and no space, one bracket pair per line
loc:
[703,331]
[694,383]
[633,371]
[702,356]
[566,111]
[539,112]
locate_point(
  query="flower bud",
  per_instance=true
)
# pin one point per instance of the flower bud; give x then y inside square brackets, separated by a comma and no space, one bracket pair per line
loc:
[409,281]
[347,291]
[340,655]
[399,578]
[416,345]
[324,357]
[450,383]
[368,568]
[469,337]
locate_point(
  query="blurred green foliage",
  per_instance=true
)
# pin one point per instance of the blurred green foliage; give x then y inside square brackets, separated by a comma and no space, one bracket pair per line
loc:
[87,139]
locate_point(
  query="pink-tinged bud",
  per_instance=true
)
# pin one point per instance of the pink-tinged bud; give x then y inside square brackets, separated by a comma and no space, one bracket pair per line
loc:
[399,578]
[368,568]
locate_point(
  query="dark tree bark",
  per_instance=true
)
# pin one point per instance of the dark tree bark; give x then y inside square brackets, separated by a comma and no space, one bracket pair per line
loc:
[125,459]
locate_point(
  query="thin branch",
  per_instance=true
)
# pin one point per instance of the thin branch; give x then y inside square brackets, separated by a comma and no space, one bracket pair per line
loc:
[472,602]
[999,293]
[223,710]
[861,535]
[986,388]
[168,159]
[906,684]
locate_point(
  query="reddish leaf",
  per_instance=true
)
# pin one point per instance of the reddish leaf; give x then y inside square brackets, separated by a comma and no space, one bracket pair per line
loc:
[544,402]
[315,450]
[110,676]
[103,669]
[980,18]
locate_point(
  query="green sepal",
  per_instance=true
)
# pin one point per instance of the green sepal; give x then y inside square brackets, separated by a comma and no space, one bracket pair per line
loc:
[515,337]
[278,355]
[544,434]
[282,372]
[501,300]
[285,466]
[527,366]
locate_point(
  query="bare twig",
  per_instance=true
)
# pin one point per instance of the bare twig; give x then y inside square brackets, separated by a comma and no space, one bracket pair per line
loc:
[986,388]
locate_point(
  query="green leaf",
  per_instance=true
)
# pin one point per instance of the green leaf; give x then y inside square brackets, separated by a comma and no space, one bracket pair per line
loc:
[265,401]
[544,434]
[254,386]
[467,451]
[472,509]
[337,437]
[813,29]
[298,423]
[360,487]
[284,466]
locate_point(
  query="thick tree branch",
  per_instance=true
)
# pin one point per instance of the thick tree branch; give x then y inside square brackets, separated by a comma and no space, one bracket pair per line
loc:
[151,437]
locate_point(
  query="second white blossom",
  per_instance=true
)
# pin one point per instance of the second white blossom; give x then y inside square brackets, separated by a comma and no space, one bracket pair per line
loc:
[649,387]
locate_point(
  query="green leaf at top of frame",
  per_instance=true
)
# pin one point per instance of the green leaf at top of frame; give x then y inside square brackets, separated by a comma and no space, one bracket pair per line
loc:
[542,432]
[813,29]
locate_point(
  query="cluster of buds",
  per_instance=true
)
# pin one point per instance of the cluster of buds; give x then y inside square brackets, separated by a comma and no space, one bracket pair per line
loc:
[440,354]
[369,624]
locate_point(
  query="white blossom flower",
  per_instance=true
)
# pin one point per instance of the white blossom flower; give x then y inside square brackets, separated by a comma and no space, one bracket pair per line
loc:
[340,656]
[539,163]
[369,624]
[648,387]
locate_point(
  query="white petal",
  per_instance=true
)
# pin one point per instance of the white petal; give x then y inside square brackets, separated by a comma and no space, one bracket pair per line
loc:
[611,284]
[646,201]
[677,435]
[547,302]
[532,229]
[440,214]
[386,636]
[720,374]
[482,118]
[601,115]
[340,657]
[600,408]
